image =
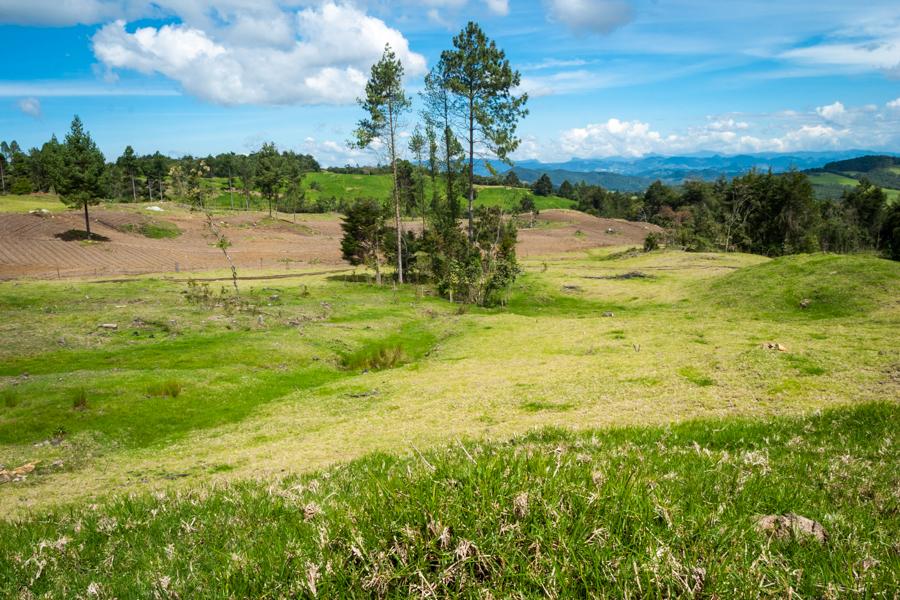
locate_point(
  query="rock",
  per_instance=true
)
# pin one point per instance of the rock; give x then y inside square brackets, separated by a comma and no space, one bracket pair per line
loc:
[154,209]
[108,326]
[39,212]
[17,474]
[805,303]
[774,346]
[609,314]
[274,298]
[791,525]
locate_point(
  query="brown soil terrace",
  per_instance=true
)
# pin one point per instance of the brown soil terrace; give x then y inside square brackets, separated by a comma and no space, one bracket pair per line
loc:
[29,246]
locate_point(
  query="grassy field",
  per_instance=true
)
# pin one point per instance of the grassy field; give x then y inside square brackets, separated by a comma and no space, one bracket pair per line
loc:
[833,181]
[22,204]
[325,185]
[638,512]
[191,426]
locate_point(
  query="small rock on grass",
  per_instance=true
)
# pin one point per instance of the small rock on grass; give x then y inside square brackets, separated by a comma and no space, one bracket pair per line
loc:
[774,346]
[791,525]
[108,326]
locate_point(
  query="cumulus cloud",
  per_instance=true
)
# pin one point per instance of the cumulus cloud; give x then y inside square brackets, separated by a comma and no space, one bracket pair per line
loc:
[613,138]
[327,61]
[591,16]
[785,131]
[30,106]
[832,112]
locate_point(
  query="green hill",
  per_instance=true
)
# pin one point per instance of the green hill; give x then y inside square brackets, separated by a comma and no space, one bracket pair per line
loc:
[320,188]
[835,285]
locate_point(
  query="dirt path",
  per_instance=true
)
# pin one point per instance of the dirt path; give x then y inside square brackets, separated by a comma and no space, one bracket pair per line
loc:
[30,246]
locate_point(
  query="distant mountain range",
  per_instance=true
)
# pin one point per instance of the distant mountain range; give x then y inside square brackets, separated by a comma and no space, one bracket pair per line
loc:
[635,174]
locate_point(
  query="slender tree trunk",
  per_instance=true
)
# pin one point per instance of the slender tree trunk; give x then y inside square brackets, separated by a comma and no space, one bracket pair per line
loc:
[87,220]
[393,149]
[150,189]
[133,190]
[2,178]
[471,166]
[448,150]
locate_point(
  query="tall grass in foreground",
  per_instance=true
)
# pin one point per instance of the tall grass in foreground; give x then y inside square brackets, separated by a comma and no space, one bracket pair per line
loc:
[640,512]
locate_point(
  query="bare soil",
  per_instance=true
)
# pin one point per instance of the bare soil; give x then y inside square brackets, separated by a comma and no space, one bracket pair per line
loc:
[31,245]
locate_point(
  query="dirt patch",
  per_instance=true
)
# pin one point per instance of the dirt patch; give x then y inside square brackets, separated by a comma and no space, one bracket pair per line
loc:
[568,230]
[31,246]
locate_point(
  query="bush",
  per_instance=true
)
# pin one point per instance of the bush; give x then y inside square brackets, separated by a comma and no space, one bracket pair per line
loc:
[651,242]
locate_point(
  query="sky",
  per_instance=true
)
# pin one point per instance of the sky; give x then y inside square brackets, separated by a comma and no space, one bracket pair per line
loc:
[604,77]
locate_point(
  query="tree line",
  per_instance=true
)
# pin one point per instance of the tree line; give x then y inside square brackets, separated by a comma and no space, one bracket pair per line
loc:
[153,177]
[759,212]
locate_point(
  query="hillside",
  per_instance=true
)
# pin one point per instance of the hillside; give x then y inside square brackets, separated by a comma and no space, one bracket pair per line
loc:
[835,177]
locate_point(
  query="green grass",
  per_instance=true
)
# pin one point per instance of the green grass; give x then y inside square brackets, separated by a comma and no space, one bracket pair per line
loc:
[325,185]
[23,204]
[337,369]
[832,179]
[509,199]
[627,512]
[837,286]
[155,229]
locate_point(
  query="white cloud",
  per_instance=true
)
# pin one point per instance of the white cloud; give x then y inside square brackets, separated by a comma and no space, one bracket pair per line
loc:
[894,104]
[784,131]
[591,16]
[832,112]
[30,106]
[726,124]
[880,50]
[59,13]
[498,7]
[613,138]
[327,63]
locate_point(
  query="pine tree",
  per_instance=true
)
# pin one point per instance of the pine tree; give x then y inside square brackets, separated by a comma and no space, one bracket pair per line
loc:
[83,165]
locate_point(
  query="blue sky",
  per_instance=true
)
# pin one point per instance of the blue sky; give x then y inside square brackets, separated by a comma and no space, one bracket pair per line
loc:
[606,77]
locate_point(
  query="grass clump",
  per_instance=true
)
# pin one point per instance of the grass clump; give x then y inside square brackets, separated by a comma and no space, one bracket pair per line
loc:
[79,399]
[634,512]
[156,230]
[170,388]
[9,397]
[376,357]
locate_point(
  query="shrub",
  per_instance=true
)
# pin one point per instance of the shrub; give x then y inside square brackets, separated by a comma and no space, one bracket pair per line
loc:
[651,242]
